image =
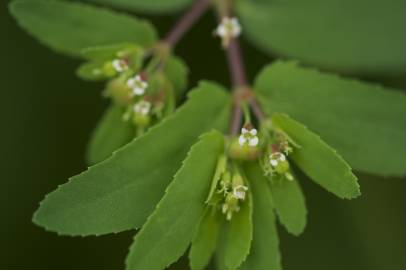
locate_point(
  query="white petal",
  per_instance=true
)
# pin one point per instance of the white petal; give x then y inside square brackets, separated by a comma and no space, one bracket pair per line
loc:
[130,82]
[274,162]
[253,141]
[244,131]
[282,157]
[221,31]
[242,140]
[253,132]
[138,91]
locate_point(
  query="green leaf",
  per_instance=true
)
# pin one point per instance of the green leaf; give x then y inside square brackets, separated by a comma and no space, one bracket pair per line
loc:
[171,227]
[236,239]
[220,169]
[205,241]
[149,6]
[360,36]
[121,192]
[71,27]
[264,252]
[109,52]
[177,72]
[289,203]
[361,120]
[318,160]
[111,133]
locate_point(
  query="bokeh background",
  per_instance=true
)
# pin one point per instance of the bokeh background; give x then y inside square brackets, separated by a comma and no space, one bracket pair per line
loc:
[46,118]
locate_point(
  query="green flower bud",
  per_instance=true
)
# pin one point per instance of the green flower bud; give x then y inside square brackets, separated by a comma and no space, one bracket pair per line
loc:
[117,89]
[282,167]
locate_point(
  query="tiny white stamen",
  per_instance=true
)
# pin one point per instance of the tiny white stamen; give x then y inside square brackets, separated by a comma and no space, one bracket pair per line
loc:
[143,107]
[137,85]
[239,192]
[119,65]
[275,158]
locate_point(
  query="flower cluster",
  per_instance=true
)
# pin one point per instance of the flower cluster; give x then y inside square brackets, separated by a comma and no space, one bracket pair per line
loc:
[230,188]
[228,29]
[234,191]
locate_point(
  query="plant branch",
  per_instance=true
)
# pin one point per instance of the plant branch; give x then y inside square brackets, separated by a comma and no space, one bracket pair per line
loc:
[186,22]
[236,64]
[242,92]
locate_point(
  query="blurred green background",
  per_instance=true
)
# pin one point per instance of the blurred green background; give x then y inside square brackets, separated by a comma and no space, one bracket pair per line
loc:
[47,116]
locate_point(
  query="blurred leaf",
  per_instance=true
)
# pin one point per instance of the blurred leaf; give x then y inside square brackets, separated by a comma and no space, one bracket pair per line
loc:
[91,71]
[205,242]
[177,72]
[264,252]
[236,239]
[70,27]
[110,134]
[289,203]
[149,6]
[109,52]
[121,192]
[361,36]
[318,160]
[171,227]
[220,169]
[362,121]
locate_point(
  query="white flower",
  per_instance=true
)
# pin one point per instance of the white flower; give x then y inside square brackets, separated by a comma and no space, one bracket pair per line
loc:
[119,65]
[137,85]
[248,137]
[229,28]
[142,107]
[275,158]
[239,192]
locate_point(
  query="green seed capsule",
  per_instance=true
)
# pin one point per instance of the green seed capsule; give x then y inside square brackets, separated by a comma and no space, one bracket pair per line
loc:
[245,152]
[119,92]
[141,120]
[282,167]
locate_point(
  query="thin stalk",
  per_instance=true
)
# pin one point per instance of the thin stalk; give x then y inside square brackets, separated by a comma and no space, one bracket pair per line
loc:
[186,22]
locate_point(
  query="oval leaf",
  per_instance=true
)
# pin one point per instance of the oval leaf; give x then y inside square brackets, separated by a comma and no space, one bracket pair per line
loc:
[361,120]
[289,203]
[264,252]
[171,227]
[110,134]
[361,36]
[150,6]
[71,27]
[205,242]
[235,242]
[318,160]
[121,192]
